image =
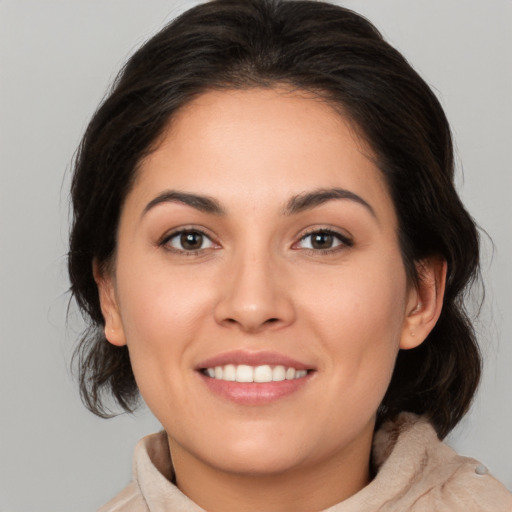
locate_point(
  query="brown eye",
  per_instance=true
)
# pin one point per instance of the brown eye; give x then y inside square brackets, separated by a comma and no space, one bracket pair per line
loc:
[188,241]
[191,241]
[322,240]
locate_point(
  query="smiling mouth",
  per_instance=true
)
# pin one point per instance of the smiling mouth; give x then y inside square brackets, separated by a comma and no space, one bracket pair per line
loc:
[256,374]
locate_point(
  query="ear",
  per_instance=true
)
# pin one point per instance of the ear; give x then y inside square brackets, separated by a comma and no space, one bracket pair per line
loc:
[114,331]
[424,303]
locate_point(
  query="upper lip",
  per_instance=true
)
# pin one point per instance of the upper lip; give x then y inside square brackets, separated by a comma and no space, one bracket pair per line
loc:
[237,357]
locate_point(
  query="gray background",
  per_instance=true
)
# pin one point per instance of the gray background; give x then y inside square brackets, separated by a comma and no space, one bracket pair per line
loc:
[56,59]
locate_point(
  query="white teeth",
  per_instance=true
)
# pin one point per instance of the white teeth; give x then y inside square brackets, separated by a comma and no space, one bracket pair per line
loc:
[290,374]
[246,373]
[263,373]
[229,372]
[278,373]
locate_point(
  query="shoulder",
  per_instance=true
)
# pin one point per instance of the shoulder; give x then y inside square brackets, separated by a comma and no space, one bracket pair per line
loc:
[128,500]
[131,498]
[433,474]
[152,488]
[473,488]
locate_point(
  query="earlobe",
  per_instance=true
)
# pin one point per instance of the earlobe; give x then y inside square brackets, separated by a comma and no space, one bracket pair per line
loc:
[425,302]
[106,290]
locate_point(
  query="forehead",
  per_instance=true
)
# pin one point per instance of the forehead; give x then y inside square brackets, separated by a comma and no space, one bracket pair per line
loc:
[259,145]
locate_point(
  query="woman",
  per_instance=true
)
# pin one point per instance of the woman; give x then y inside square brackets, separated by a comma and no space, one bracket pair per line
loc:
[270,248]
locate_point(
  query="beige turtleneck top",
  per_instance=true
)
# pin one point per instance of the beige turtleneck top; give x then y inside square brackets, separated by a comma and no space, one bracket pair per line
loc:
[415,473]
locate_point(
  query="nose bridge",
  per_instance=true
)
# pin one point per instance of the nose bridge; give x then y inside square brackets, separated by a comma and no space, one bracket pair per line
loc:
[254,295]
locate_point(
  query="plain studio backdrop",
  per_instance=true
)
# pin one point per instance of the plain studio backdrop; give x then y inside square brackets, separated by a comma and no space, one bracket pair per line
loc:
[57,58]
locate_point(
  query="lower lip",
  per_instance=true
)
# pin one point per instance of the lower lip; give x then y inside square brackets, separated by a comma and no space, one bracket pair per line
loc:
[254,393]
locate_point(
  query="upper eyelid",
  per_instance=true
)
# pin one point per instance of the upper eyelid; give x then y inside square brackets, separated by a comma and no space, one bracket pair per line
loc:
[323,230]
[336,232]
[185,229]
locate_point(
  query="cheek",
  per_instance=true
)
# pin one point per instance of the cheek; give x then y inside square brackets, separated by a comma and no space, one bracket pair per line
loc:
[363,299]
[161,312]
[161,303]
[359,317]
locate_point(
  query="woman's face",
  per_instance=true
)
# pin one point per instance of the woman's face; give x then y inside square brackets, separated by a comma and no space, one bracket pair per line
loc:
[260,242]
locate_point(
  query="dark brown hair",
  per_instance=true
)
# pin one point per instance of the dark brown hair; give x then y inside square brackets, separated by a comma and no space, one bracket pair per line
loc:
[342,58]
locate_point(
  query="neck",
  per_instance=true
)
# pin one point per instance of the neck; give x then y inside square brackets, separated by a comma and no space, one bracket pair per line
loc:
[314,486]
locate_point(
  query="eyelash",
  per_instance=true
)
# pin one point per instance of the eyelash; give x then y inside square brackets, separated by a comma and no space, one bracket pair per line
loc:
[343,240]
[188,231]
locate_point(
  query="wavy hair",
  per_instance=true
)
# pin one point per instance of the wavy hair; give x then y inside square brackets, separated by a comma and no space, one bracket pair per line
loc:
[342,58]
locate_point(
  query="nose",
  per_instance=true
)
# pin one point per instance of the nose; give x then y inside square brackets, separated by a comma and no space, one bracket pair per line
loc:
[254,296]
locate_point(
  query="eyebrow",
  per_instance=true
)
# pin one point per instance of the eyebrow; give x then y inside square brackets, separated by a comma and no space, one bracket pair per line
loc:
[296,204]
[310,200]
[202,203]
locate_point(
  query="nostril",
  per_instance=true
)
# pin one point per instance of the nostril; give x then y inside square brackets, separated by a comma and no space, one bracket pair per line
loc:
[271,320]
